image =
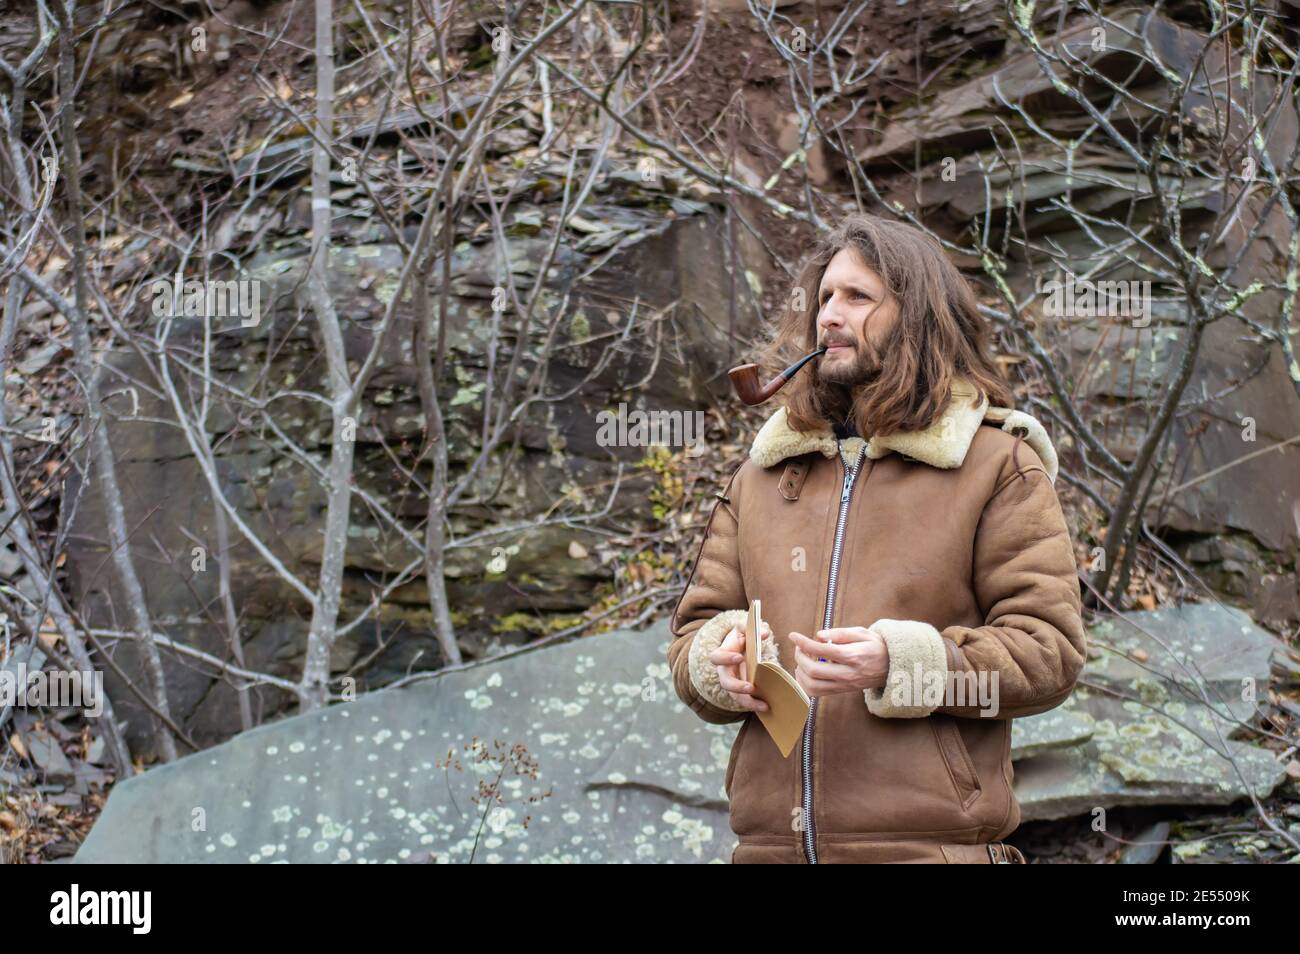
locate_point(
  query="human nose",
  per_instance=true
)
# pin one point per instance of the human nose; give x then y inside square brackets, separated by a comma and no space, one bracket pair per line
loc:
[829,316]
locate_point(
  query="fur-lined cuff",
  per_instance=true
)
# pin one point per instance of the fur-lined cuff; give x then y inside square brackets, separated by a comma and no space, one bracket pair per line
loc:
[704,675]
[918,670]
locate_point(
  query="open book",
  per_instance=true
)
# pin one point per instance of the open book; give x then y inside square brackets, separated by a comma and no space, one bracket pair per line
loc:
[787,703]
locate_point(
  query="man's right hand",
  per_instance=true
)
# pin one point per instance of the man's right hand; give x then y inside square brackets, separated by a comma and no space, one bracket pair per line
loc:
[729,658]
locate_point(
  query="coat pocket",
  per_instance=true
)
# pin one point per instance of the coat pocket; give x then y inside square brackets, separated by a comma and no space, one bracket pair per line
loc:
[953,749]
[735,755]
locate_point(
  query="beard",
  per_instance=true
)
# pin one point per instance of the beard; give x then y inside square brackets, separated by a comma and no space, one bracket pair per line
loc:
[863,366]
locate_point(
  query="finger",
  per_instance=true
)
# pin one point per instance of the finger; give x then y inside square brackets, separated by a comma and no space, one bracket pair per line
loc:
[810,686]
[818,687]
[736,674]
[795,637]
[847,634]
[743,693]
[832,652]
[734,685]
[825,671]
[725,657]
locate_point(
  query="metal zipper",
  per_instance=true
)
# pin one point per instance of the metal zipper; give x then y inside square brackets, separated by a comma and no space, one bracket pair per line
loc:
[809,828]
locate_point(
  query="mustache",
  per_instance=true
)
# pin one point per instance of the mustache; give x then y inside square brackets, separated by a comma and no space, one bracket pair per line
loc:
[848,342]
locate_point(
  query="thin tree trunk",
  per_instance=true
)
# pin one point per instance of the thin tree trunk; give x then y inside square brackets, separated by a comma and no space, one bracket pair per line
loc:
[101,449]
[324,617]
[1122,513]
[15,520]
[435,447]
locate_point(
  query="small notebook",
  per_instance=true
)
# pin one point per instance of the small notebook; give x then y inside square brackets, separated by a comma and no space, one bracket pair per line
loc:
[787,702]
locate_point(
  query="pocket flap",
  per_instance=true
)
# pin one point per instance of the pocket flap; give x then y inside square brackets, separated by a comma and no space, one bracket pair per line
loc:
[953,748]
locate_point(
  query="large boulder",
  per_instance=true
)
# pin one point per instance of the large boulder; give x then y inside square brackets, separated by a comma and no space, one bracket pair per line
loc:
[1159,717]
[632,774]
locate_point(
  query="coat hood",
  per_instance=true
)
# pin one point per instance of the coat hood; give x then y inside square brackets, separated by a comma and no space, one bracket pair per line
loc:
[943,444]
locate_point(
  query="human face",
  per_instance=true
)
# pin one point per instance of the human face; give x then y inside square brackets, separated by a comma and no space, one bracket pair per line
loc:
[854,314]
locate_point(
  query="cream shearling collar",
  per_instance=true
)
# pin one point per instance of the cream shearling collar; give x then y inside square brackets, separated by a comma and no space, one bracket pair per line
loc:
[943,444]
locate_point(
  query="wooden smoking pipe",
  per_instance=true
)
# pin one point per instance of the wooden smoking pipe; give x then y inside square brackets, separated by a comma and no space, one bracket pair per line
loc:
[745,379]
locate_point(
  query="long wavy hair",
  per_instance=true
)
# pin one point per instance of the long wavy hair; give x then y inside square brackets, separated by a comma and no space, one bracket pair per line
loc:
[939,336]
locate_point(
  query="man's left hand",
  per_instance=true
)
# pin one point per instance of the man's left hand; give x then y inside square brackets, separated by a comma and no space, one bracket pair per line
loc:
[856,659]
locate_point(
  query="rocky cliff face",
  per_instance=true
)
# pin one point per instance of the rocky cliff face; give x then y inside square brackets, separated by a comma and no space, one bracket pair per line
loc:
[505,589]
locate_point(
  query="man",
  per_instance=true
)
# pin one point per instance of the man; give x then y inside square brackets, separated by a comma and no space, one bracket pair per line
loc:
[900,526]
